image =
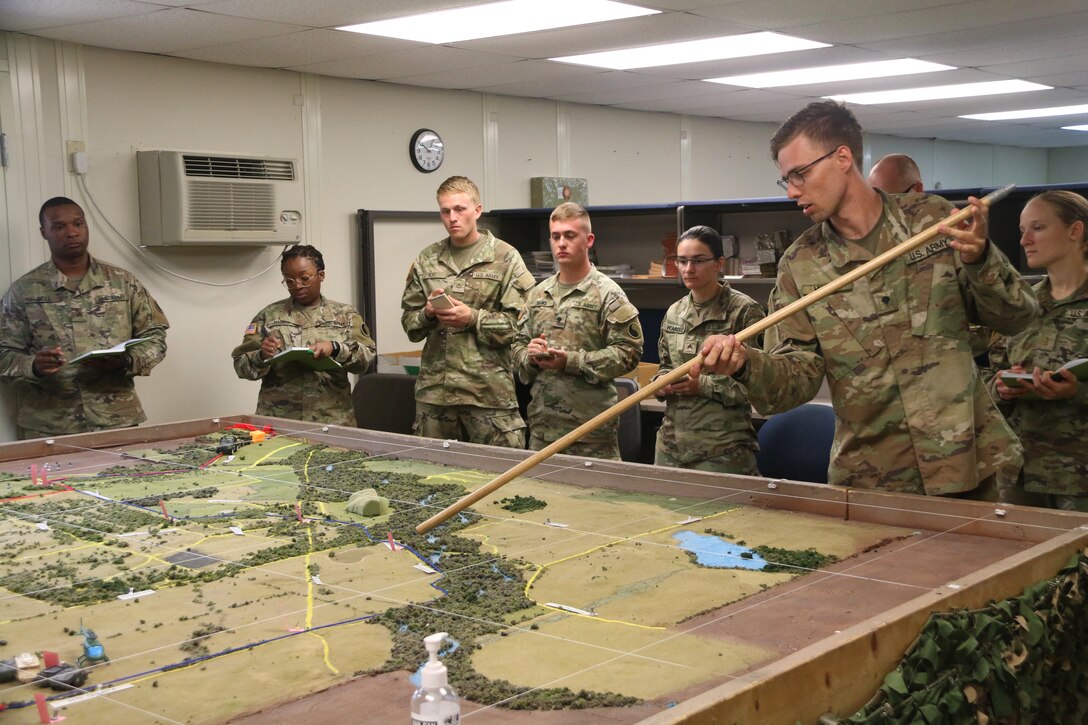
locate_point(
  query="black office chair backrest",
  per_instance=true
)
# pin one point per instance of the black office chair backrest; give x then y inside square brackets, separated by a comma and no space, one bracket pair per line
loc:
[385,401]
[796,445]
[630,432]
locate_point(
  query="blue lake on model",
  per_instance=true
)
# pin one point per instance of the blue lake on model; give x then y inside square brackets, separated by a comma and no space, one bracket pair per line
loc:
[714,551]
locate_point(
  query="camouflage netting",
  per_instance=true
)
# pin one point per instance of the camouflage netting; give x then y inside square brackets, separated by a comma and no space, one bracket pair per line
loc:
[1018,661]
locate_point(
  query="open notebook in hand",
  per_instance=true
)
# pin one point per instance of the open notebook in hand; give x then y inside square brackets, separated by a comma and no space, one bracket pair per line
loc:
[118,349]
[1078,367]
[304,356]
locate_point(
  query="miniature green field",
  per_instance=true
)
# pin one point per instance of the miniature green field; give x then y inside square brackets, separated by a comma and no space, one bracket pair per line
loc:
[611,555]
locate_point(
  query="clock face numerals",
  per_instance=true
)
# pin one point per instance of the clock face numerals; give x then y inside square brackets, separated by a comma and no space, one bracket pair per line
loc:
[426,150]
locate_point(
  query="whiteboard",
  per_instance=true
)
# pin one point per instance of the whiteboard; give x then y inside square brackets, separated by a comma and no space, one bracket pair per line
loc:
[397,242]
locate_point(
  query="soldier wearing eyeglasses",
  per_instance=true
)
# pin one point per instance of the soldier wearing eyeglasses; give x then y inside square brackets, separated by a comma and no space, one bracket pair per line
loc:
[306,319]
[708,420]
[912,414]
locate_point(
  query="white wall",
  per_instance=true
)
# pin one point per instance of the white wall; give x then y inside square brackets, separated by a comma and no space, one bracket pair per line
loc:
[1068,165]
[953,165]
[351,138]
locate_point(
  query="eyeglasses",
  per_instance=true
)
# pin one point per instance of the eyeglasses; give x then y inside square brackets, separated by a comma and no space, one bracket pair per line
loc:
[797,176]
[303,281]
[693,261]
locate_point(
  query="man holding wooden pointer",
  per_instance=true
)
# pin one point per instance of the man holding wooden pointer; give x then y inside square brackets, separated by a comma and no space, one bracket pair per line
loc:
[911,413]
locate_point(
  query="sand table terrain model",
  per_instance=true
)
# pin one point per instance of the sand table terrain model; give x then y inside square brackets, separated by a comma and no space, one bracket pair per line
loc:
[293,565]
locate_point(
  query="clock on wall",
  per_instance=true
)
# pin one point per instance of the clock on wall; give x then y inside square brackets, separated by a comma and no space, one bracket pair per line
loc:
[426,150]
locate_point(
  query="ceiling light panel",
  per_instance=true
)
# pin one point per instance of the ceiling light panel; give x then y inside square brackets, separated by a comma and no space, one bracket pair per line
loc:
[693,51]
[1075,128]
[833,73]
[936,93]
[1030,113]
[496,19]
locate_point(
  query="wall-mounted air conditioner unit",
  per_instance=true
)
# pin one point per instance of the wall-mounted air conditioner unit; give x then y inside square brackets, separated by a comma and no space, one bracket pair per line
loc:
[199,198]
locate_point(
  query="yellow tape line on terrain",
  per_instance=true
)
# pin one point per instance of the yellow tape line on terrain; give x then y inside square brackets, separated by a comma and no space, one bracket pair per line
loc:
[310,602]
[272,453]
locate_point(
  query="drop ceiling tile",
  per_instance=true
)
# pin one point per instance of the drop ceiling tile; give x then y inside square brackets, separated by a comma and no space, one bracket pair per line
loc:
[653,91]
[1040,31]
[727,105]
[29,15]
[416,61]
[591,82]
[1007,49]
[1053,66]
[480,77]
[167,31]
[294,49]
[780,14]
[948,18]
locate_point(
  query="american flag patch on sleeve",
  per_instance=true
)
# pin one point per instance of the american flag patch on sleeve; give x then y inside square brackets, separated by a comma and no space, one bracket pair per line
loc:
[252,328]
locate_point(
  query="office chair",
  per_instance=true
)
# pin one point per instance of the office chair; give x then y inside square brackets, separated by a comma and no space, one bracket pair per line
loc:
[630,432]
[385,401]
[796,445]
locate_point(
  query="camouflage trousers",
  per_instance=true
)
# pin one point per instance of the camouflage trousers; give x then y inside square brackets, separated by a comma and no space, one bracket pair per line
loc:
[739,459]
[609,450]
[489,426]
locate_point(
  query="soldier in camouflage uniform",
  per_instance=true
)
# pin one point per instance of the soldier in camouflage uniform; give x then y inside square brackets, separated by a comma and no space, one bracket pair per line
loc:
[708,420]
[465,389]
[1050,413]
[899,174]
[576,334]
[305,319]
[912,413]
[70,305]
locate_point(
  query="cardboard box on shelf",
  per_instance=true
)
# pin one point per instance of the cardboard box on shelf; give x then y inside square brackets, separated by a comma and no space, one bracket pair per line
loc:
[548,192]
[405,363]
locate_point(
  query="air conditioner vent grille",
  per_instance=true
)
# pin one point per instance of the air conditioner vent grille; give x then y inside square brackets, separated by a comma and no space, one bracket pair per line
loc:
[225,167]
[215,205]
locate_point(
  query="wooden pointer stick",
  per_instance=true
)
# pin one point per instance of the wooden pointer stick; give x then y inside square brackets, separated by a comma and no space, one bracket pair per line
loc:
[681,372]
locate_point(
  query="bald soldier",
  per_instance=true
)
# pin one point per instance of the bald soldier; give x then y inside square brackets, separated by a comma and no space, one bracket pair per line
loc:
[911,412]
[896,174]
[70,305]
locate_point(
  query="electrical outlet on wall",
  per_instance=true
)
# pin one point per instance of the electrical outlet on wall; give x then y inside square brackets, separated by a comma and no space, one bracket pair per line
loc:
[73,148]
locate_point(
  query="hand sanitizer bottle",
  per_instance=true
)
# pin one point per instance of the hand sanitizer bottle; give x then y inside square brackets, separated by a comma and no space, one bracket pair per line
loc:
[435,702]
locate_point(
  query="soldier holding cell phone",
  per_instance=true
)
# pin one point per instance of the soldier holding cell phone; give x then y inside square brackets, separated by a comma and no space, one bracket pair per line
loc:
[462,298]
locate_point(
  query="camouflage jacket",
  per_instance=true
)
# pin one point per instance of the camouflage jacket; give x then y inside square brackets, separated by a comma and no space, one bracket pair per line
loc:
[600,331]
[1054,433]
[292,390]
[912,413]
[470,365]
[107,306]
[719,418]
